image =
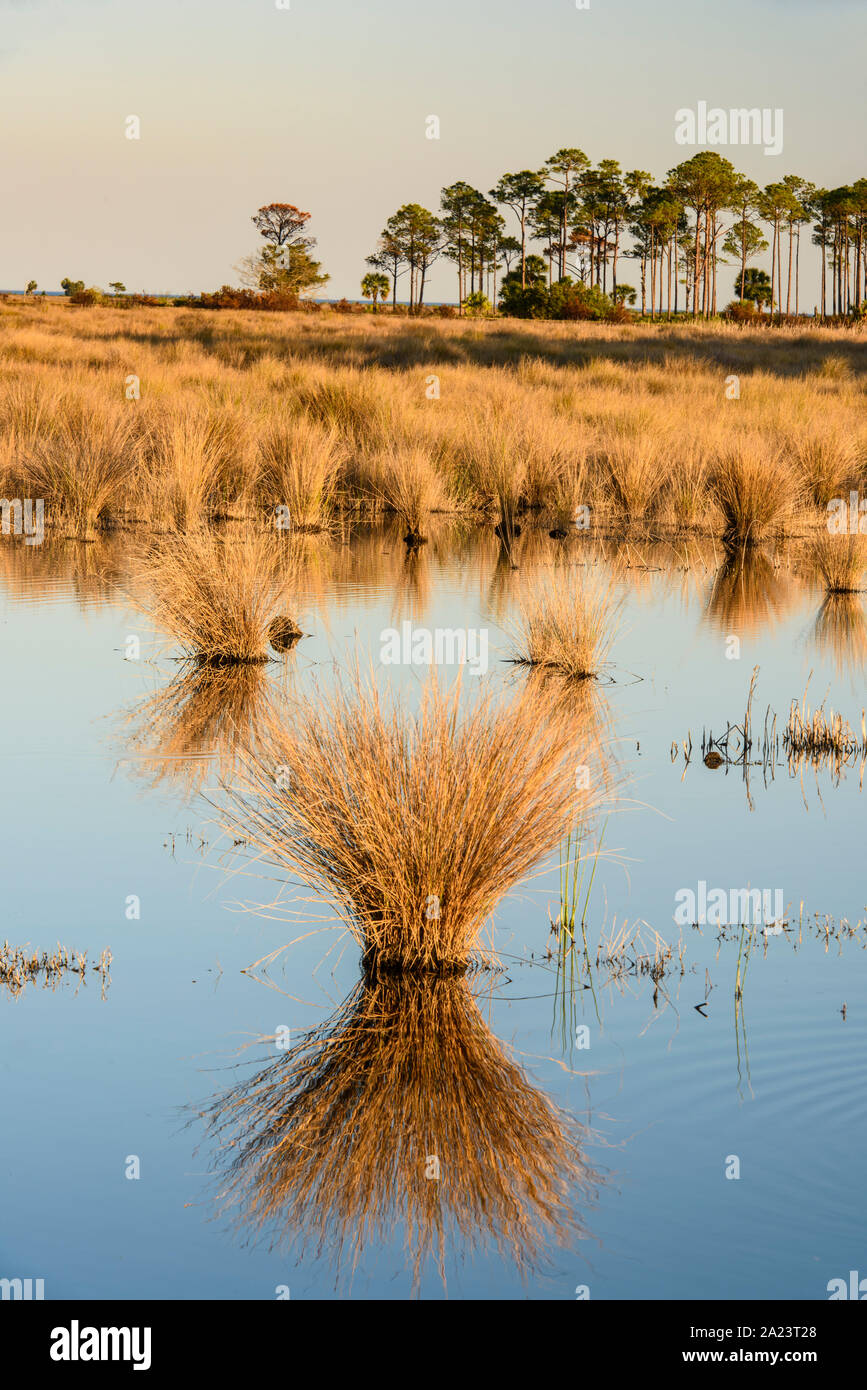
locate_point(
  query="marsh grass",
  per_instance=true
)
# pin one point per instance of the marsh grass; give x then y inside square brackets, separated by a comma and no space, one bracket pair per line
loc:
[634,454]
[185,461]
[822,735]
[533,417]
[83,467]
[840,562]
[827,462]
[217,595]
[568,627]
[636,949]
[752,487]
[411,822]
[300,468]
[488,452]
[405,480]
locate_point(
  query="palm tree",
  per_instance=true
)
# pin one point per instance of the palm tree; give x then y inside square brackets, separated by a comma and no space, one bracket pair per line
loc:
[374,285]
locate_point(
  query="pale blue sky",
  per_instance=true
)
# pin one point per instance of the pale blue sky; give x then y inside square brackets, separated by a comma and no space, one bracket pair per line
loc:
[324,105]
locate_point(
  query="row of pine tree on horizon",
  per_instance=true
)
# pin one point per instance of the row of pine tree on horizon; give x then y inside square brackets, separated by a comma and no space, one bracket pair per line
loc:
[585,222]
[588,220]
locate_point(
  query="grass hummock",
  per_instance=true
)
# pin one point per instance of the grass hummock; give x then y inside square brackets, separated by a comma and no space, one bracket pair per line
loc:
[412,822]
[569,628]
[220,596]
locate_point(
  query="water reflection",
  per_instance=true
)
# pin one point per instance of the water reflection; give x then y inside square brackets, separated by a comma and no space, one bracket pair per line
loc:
[93,572]
[205,714]
[840,632]
[402,1110]
[749,592]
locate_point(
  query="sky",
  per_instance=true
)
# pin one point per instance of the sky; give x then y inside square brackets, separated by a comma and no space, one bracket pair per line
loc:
[325,104]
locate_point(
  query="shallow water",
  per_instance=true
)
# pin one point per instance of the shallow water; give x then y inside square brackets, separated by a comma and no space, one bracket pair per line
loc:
[662,1098]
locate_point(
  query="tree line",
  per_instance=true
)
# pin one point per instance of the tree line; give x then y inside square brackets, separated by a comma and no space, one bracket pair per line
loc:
[586,220]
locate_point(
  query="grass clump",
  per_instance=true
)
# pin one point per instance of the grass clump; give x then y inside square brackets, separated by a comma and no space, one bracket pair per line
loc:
[840,562]
[83,466]
[406,481]
[300,464]
[637,465]
[413,823]
[827,462]
[187,451]
[217,595]
[569,628]
[752,488]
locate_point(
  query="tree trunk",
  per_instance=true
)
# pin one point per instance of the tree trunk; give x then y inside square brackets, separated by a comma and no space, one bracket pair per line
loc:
[789,275]
[743,251]
[695,267]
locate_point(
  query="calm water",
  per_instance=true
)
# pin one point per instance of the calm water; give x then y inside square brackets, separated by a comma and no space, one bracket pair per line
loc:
[663,1097]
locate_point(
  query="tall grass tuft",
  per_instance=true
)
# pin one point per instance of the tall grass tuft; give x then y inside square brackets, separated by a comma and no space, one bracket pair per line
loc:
[752,487]
[186,460]
[638,469]
[218,596]
[413,823]
[490,455]
[300,464]
[406,481]
[840,562]
[567,627]
[84,467]
[827,462]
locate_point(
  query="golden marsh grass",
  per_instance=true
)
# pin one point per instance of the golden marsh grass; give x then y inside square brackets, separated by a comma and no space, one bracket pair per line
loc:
[411,823]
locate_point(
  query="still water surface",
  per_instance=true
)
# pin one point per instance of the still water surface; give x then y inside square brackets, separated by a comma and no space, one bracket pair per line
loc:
[658,1104]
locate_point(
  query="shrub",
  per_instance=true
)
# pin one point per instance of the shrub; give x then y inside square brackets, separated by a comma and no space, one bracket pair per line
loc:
[228,298]
[478,306]
[744,312]
[86,298]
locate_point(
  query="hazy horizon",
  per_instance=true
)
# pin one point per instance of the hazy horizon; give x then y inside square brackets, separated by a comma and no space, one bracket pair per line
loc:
[325,106]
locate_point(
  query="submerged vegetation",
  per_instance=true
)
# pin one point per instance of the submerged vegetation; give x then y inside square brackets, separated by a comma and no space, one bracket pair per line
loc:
[821,737]
[21,966]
